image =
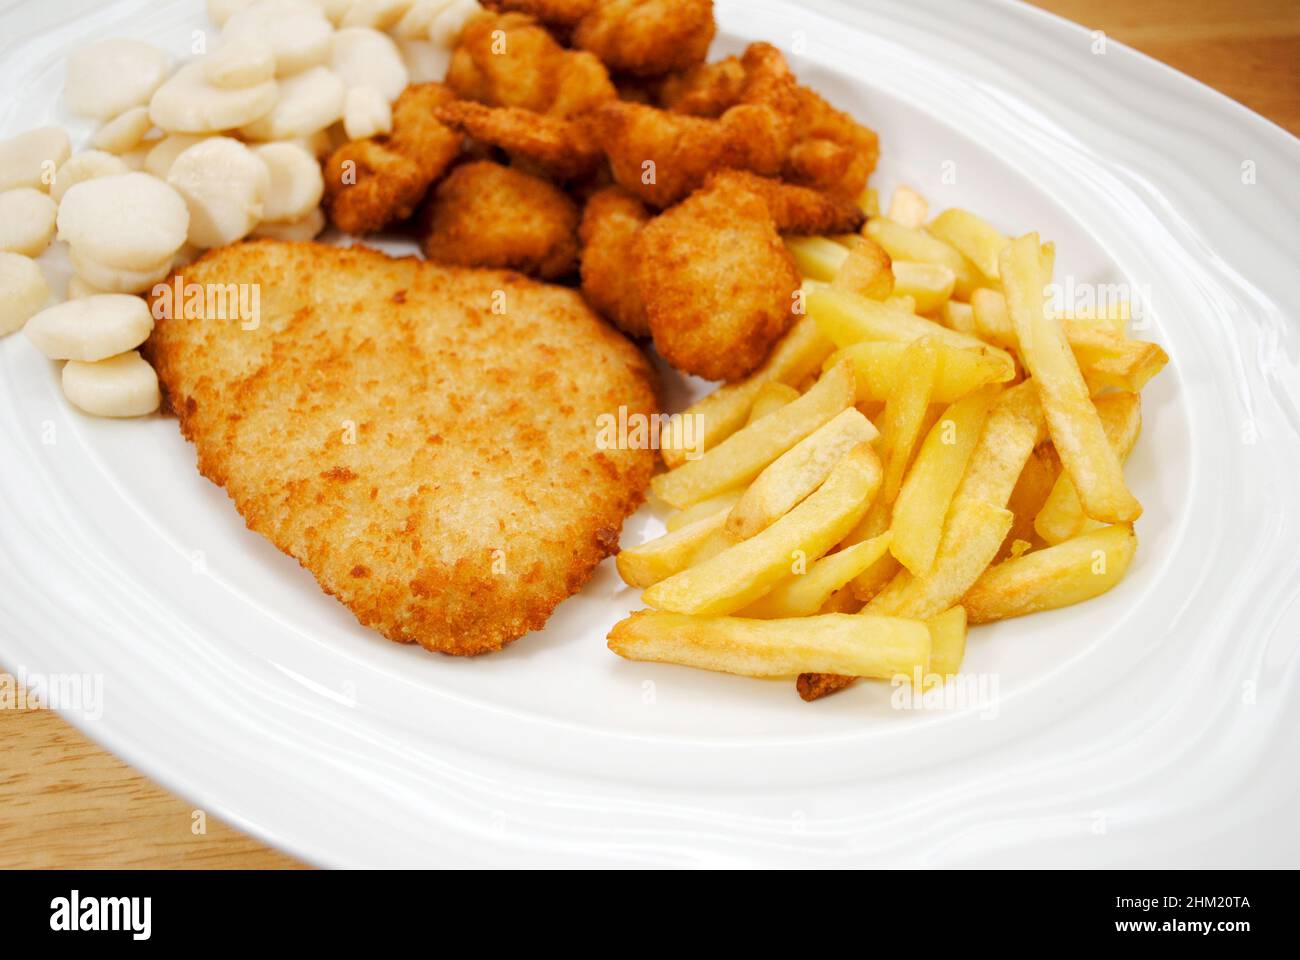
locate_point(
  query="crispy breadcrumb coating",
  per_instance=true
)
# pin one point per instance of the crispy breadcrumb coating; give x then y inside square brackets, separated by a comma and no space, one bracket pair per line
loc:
[717,282]
[372,183]
[647,38]
[421,438]
[661,157]
[555,147]
[611,222]
[487,215]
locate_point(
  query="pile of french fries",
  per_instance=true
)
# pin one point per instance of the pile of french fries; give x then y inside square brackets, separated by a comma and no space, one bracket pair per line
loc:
[930,445]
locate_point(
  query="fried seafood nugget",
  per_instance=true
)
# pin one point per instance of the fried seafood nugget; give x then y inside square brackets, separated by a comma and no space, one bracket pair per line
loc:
[705,90]
[558,148]
[661,157]
[487,215]
[795,209]
[510,60]
[717,282]
[829,150]
[564,14]
[611,223]
[374,182]
[647,38]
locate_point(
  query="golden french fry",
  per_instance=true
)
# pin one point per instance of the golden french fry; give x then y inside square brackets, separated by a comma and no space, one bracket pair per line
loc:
[929,284]
[904,413]
[992,321]
[795,357]
[1108,360]
[1062,516]
[705,508]
[740,575]
[915,243]
[869,202]
[878,366]
[1070,572]
[846,318]
[929,486]
[947,644]
[1071,417]
[742,456]
[866,271]
[818,258]
[972,535]
[907,207]
[842,601]
[804,594]
[958,316]
[797,472]
[1112,318]
[973,237]
[658,559]
[903,303]
[1013,428]
[864,646]
[1029,494]
[771,398]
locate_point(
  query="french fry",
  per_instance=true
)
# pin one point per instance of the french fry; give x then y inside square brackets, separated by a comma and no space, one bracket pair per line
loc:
[740,575]
[972,535]
[1061,516]
[958,316]
[880,647]
[869,202]
[914,243]
[929,486]
[1070,572]
[903,303]
[705,508]
[818,258]
[804,594]
[905,412]
[1113,317]
[1013,428]
[771,398]
[1108,360]
[878,365]
[947,649]
[1029,494]
[846,319]
[992,321]
[947,641]
[796,356]
[973,237]
[842,601]
[658,559]
[797,473]
[908,207]
[742,456]
[929,284]
[866,270]
[1071,417]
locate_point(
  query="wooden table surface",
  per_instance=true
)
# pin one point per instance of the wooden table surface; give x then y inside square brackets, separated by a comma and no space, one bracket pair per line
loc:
[64,802]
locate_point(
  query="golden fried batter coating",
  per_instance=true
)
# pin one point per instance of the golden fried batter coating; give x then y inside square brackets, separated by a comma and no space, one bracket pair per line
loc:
[705,90]
[661,157]
[553,13]
[830,150]
[611,223]
[487,215]
[433,462]
[647,38]
[796,209]
[372,183]
[557,148]
[509,60]
[717,282]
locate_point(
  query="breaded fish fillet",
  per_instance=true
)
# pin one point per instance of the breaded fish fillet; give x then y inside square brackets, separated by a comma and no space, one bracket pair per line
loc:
[422,438]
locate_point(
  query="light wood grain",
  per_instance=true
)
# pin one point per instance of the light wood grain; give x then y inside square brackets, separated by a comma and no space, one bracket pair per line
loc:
[64,802]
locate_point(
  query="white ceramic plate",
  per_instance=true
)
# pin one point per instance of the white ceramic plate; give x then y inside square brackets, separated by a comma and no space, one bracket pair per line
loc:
[1152,726]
